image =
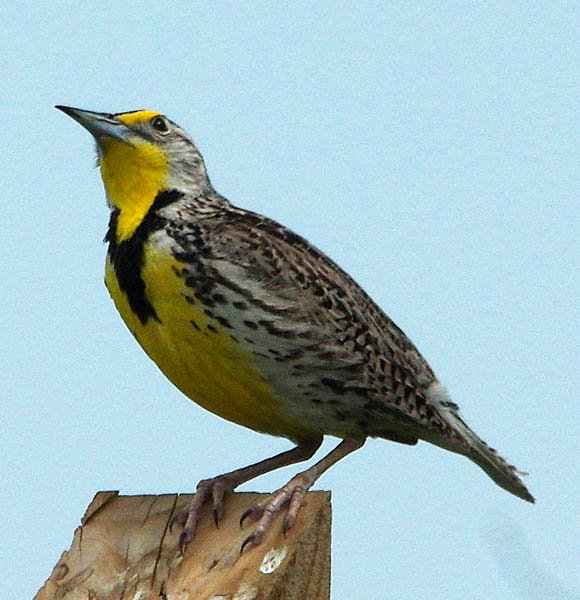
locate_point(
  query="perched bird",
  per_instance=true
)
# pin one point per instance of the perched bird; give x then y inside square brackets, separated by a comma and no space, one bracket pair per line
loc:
[255,324]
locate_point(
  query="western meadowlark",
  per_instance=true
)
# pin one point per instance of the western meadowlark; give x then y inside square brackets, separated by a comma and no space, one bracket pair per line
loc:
[255,324]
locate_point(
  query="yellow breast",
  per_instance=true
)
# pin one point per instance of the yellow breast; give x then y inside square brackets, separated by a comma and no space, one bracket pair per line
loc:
[197,354]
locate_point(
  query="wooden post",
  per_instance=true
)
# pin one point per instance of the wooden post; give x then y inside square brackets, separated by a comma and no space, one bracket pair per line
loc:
[123,550]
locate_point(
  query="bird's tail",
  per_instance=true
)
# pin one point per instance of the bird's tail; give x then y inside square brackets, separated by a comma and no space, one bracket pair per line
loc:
[464,441]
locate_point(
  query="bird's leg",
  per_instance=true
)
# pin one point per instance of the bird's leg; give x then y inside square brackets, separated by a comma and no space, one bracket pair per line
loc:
[293,494]
[217,487]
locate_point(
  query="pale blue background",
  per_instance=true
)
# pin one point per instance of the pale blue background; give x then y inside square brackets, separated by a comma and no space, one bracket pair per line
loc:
[430,148]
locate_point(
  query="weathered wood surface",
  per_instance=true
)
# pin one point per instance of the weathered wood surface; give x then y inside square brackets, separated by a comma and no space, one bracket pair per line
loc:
[123,550]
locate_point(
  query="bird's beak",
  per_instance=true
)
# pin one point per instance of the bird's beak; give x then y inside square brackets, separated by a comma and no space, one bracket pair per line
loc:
[100,125]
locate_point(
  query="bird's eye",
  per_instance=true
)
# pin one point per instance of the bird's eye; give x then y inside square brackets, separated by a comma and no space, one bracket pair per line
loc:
[159,124]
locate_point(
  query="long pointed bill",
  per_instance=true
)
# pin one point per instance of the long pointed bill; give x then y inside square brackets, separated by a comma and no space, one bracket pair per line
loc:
[99,124]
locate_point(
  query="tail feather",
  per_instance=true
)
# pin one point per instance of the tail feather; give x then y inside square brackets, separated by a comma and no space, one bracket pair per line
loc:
[464,441]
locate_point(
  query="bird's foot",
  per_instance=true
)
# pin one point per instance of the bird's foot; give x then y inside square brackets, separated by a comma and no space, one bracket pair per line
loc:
[264,512]
[214,489]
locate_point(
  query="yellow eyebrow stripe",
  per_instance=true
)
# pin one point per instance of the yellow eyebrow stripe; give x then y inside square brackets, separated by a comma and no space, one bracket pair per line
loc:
[136,117]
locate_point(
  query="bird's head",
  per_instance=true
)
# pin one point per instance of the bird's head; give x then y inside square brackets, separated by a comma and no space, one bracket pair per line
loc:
[141,153]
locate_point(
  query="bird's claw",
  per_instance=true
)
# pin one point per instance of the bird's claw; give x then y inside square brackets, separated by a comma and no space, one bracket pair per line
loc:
[288,524]
[217,516]
[180,518]
[214,489]
[255,511]
[249,540]
[292,494]
[184,538]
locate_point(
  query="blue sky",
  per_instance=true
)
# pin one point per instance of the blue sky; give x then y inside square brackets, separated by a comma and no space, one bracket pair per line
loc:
[431,149]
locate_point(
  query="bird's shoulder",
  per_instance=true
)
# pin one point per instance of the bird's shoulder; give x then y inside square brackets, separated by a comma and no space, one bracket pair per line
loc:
[248,246]
[283,268]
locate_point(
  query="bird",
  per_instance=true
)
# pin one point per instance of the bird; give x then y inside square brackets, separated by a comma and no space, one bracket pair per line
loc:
[257,325]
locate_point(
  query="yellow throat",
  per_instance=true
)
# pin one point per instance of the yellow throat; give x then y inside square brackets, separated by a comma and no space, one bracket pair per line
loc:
[133,173]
